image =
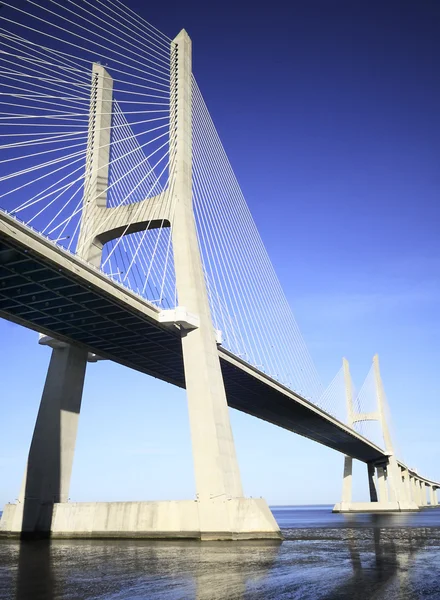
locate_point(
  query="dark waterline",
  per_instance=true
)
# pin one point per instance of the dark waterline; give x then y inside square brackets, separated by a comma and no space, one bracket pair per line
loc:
[323,556]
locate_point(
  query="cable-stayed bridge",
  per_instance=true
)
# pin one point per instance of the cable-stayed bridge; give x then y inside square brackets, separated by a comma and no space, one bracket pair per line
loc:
[124,235]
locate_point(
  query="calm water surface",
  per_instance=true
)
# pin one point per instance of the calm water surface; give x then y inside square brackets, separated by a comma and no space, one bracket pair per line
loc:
[323,556]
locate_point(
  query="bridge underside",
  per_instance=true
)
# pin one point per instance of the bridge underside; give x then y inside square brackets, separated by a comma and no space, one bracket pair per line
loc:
[51,292]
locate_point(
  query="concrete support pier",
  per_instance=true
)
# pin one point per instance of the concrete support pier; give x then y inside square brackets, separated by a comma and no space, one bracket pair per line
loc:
[47,475]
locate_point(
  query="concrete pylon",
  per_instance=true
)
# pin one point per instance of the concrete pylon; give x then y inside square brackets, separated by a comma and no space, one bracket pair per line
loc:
[347,482]
[416,491]
[49,466]
[382,484]
[215,462]
[392,492]
[218,484]
[396,489]
[423,493]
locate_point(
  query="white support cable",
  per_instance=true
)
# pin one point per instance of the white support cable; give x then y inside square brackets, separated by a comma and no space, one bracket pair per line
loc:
[72,125]
[223,277]
[87,240]
[18,117]
[43,108]
[252,222]
[158,78]
[146,193]
[149,218]
[47,88]
[125,189]
[30,61]
[41,177]
[49,204]
[55,82]
[257,359]
[52,139]
[44,65]
[135,93]
[26,156]
[134,189]
[151,46]
[63,207]
[238,299]
[38,66]
[81,36]
[136,17]
[37,198]
[66,60]
[169,195]
[296,334]
[63,83]
[245,303]
[43,98]
[48,163]
[205,235]
[125,40]
[71,58]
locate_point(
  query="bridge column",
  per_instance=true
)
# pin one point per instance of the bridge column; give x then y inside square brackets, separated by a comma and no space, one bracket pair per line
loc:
[406,484]
[431,495]
[420,491]
[434,496]
[382,484]
[49,465]
[403,483]
[216,469]
[414,491]
[396,490]
[421,495]
[372,483]
[424,495]
[347,480]
[417,493]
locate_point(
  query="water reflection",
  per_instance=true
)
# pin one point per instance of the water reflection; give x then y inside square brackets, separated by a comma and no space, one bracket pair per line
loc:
[370,558]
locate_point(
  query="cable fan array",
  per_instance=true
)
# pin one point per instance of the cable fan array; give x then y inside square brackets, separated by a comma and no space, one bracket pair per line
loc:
[364,401]
[46,55]
[248,304]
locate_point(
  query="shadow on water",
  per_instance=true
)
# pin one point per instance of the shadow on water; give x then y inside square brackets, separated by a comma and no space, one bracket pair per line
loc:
[380,571]
[135,569]
[48,470]
[35,578]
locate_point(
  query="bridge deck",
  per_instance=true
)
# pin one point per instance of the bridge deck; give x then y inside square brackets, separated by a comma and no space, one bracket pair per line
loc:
[52,291]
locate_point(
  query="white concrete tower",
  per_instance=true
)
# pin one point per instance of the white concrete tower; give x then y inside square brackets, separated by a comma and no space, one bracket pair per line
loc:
[49,466]
[215,462]
[347,483]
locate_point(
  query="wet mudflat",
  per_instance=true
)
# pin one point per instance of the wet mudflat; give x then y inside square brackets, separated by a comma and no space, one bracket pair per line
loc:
[323,556]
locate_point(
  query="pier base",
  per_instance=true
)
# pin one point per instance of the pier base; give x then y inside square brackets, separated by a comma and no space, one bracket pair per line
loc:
[234,519]
[376,507]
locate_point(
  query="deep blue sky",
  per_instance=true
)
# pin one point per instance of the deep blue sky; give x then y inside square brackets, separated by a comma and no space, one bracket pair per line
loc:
[329,112]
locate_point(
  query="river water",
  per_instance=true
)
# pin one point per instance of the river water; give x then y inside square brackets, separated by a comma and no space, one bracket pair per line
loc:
[323,556]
